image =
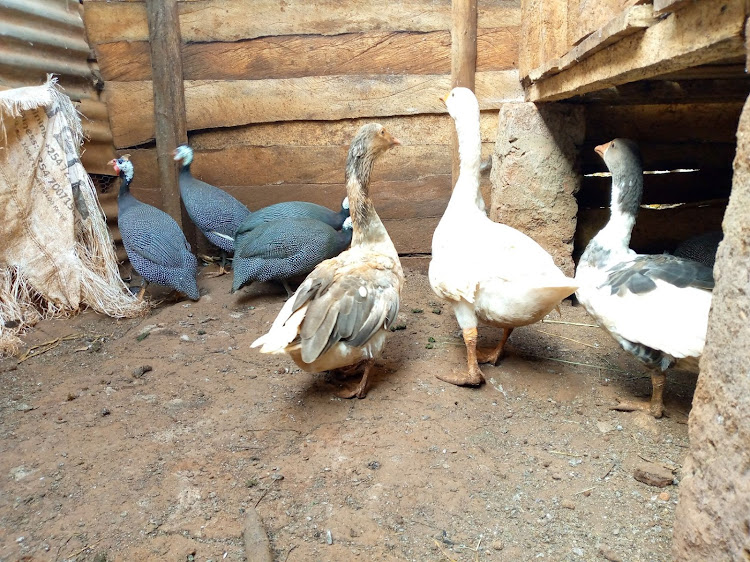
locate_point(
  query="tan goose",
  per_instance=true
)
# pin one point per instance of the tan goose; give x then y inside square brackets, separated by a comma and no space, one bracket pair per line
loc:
[341,313]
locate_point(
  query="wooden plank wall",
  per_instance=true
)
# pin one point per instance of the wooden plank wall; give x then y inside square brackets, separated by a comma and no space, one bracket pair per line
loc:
[275,91]
[686,136]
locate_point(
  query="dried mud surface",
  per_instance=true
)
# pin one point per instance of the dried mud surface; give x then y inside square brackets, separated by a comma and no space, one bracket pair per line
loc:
[104,459]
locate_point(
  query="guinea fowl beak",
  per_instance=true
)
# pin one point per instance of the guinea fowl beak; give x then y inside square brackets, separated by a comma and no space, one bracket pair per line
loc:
[113,163]
[602,148]
[444,98]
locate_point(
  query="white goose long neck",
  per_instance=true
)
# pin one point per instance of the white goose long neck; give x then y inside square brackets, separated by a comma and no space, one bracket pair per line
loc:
[470,154]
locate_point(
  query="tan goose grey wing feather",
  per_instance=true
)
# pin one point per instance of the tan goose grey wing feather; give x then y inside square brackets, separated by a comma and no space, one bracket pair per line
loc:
[348,305]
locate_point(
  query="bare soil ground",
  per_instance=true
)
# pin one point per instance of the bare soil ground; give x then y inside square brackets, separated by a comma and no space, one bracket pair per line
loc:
[102,458]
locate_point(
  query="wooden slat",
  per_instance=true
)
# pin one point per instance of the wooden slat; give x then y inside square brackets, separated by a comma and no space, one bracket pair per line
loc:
[668,156]
[233,20]
[700,123]
[426,129]
[632,20]
[714,90]
[212,104]
[655,230]
[662,188]
[701,33]
[664,6]
[586,16]
[305,55]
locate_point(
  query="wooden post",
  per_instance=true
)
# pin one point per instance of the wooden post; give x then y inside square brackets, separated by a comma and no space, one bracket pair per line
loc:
[463,56]
[169,104]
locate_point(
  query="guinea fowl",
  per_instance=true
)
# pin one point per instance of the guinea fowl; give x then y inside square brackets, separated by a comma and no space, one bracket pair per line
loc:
[701,247]
[341,313]
[487,271]
[282,249]
[154,242]
[216,213]
[655,306]
[294,210]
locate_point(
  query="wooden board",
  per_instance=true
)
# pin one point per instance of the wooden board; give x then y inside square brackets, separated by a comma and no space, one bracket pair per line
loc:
[703,90]
[664,6]
[697,123]
[586,16]
[213,104]
[662,188]
[427,129]
[304,55]
[233,20]
[632,20]
[277,167]
[701,33]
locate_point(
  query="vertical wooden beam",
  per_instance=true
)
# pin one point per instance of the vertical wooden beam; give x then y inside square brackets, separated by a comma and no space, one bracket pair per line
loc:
[463,56]
[169,104]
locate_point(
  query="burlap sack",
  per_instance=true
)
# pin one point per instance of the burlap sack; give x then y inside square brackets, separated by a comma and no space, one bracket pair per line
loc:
[55,250]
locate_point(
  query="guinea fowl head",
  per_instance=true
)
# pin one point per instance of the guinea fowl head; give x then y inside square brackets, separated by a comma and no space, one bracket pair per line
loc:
[347,224]
[183,153]
[123,166]
[460,102]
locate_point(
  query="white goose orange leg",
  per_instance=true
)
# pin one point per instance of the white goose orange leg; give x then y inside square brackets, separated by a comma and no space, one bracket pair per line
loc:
[493,355]
[474,376]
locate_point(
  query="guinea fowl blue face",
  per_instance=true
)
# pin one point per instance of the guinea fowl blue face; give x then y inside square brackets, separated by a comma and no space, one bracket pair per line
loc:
[184,153]
[124,166]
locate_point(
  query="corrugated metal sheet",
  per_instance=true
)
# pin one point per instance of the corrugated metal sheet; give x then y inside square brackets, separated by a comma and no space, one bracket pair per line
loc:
[38,37]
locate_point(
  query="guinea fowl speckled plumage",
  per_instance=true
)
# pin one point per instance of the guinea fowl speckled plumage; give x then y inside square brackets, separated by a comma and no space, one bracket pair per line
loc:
[655,306]
[215,212]
[282,249]
[341,313]
[154,242]
[701,248]
[294,210]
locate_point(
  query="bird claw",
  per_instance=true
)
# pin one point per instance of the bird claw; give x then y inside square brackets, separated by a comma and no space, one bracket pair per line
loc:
[655,409]
[475,378]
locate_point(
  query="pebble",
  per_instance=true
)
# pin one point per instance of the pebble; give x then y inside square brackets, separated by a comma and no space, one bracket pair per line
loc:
[568,504]
[609,554]
[277,476]
[556,476]
[664,496]
[498,545]
[653,475]
[185,337]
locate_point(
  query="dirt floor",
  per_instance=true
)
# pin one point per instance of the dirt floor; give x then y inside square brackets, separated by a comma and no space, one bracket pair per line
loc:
[153,438]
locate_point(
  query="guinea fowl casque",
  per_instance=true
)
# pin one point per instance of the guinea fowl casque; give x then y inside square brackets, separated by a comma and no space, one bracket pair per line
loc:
[282,249]
[487,271]
[294,210]
[655,306]
[154,242]
[216,213]
[341,313]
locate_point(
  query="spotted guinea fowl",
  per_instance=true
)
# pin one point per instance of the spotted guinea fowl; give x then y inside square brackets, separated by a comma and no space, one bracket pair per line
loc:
[294,210]
[701,247]
[282,249]
[341,313]
[487,271]
[655,306]
[216,213]
[154,242]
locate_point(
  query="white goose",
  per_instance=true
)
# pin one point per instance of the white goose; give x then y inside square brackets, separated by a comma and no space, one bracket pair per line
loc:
[655,306]
[487,271]
[341,313]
